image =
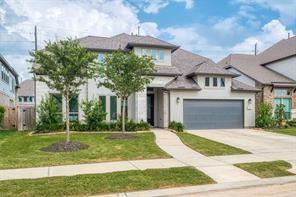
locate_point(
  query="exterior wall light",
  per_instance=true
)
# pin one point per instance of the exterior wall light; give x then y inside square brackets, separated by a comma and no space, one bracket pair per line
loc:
[178,100]
[249,101]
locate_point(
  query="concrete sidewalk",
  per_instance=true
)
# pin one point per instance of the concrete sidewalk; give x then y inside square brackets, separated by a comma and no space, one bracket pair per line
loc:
[220,188]
[95,168]
[218,170]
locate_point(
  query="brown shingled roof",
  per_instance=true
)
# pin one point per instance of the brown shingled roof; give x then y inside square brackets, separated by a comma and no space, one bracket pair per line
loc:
[239,86]
[208,67]
[250,66]
[26,88]
[282,49]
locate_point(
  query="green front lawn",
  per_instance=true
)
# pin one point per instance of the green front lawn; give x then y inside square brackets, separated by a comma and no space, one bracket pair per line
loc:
[267,169]
[84,185]
[209,147]
[19,150]
[286,131]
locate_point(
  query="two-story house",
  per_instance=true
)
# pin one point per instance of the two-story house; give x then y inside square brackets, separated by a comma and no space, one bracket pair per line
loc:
[8,83]
[273,71]
[186,87]
[26,94]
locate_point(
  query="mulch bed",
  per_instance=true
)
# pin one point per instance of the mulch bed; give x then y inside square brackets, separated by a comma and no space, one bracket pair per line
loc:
[121,136]
[65,147]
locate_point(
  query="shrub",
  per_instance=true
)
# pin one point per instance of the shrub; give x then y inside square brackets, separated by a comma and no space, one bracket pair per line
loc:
[177,126]
[111,126]
[2,111]
[280,114]
[49,116]
[93,113]
[264,117]
[292,123]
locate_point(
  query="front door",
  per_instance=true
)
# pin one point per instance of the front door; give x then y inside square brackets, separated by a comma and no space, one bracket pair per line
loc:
[150,109]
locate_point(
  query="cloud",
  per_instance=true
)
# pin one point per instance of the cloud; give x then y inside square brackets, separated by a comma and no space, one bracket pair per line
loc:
[286,8]
[229,24]
[153,6]
[189,38]
[55,20]
[271,33]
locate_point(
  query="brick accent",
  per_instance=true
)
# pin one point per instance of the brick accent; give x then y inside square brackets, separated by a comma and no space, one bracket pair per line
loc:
[267,96]
[294,105]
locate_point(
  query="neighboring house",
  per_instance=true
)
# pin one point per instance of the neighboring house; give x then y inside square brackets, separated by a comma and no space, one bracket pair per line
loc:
[186,88]
[26,94]
[8,83]
[273,71]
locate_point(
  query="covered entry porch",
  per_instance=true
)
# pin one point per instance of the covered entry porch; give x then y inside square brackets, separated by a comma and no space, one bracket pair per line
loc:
[157,107]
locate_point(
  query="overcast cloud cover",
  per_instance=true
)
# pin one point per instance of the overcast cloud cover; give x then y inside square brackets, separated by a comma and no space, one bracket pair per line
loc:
[208,27]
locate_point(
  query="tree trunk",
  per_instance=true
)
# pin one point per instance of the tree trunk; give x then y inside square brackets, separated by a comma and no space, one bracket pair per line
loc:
[67,119]
[123,115]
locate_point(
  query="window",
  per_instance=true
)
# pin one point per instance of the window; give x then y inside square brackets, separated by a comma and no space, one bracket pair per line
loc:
[207,81]
[222,82]
[73,108]
[31,98]
[4,74]
[101,57]
[215,82]
[25,99]
[154,54]
[282,92]
[20,99]
[287,102]
[113,107]
[161,55]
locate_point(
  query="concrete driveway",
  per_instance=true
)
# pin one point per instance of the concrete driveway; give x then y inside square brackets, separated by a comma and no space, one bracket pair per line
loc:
[265,146]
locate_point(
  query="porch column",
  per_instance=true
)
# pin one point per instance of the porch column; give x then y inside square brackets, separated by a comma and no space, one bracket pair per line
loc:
[141,106]
[165,109]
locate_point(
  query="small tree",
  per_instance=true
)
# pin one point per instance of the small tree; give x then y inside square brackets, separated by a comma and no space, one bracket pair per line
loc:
[64,66]
[264,117]
[280,114]
[125,73]
[93,112]
[49,117]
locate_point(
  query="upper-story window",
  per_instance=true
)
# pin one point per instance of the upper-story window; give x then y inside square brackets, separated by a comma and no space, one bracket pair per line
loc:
[4,74]
[207,81]
[156,54]
[222,82]
[101,57]
[215,82]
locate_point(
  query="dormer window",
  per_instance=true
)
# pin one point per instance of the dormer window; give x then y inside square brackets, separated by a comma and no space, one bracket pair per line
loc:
[222,82]
[156,54]
[215,82]
[207,81]
[101,57]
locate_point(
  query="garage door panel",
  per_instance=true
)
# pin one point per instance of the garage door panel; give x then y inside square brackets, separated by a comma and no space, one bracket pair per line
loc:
[213,114]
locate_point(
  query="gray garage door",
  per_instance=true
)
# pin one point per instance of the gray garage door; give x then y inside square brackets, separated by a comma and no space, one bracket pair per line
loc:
[213,114]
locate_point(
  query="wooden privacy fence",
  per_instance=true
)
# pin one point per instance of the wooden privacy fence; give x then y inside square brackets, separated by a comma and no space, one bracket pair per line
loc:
[20,118]
[26,118]
[10,118]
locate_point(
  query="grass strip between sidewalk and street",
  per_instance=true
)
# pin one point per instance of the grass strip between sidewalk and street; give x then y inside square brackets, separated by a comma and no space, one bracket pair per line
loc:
[267,169]
[91,184]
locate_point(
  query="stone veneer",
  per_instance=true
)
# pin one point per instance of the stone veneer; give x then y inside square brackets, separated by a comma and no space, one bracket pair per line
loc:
[267,96]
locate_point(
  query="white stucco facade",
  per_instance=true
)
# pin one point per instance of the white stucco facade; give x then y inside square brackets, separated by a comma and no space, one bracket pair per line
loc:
[286,67]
